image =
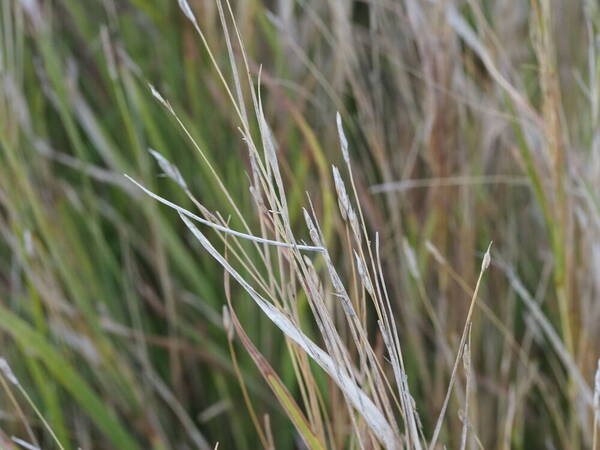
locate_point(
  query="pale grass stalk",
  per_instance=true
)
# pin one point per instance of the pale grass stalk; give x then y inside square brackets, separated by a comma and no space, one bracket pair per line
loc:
[484,266]
[596,403]
[468,375]
[390,333]
[221,228]
[6,373]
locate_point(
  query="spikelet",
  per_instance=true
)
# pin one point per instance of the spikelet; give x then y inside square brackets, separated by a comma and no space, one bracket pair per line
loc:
[435,252]
[312,230]
[362,273]
[185,7]
[346,209]
[411,259]
[487,259]
[157,95]
[168,168]
[227,323]
[343,140]
[7,371]
[340,188]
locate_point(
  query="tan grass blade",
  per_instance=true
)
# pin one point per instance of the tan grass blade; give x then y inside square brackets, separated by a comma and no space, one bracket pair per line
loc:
[484,265]
[286,400]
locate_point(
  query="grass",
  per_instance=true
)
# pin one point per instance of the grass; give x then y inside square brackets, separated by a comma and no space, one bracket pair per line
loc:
[196,250]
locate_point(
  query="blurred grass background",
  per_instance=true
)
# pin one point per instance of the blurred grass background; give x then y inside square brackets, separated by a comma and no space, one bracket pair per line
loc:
[469,121]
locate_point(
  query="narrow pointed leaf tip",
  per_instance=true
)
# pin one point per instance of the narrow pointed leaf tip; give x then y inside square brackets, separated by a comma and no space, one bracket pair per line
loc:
[487,259]
[169,169]
[185,7]
[7,371]
[343,140]
[158,96]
